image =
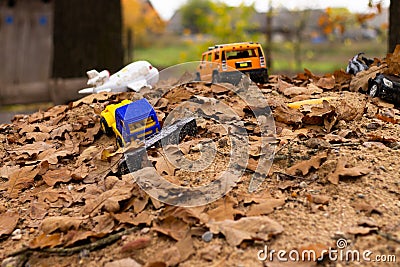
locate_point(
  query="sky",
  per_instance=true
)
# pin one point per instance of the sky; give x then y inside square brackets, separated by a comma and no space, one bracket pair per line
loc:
[166,8]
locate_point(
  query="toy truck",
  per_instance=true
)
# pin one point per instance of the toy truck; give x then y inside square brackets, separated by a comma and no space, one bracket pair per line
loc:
[226,62]
[138,121]
[130,121]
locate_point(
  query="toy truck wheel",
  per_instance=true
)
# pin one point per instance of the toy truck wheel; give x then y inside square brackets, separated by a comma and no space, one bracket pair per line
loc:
[215,77]
[105,128]
[197,78]
[119,142]
[374,90]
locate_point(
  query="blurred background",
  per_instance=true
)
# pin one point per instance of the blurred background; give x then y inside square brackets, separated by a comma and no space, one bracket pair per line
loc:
[46,46]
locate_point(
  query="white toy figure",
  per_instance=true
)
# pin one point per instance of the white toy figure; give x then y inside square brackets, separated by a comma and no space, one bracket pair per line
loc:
[134,77]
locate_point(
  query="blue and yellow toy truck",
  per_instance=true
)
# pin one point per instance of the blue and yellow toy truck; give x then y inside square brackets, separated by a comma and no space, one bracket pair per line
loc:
[138,121]
[130,121]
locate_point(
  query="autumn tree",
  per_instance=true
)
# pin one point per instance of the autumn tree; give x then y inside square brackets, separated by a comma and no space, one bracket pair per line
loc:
[87,35]
[140,22]
[197,15]
[226,23]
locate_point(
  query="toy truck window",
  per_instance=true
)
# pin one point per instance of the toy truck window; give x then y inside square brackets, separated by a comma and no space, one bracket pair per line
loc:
[216,57]
[141,125]
[209,57]
[241,54]
[203,58]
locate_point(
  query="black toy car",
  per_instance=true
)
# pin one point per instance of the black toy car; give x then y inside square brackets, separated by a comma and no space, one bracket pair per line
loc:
[385,86]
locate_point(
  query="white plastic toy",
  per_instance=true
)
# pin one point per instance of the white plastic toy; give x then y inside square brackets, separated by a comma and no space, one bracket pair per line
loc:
[134,77]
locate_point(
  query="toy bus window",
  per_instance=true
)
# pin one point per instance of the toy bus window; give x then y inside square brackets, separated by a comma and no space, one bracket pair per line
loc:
[209,57]
[216,56]
[203,58]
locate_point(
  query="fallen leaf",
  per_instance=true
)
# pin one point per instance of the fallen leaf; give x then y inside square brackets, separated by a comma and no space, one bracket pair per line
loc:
[37,136]
[61,223]
[46,241]
[224,209]
[60,130]
[305,166]
[38,210]
[342,171]
[318,199]
[8,222]
[287,115]
[108,200]
[247,228]
[360,230]
[369,209]
[74,236]
[20,179]
[138,243]
[61,175]
[185,248]
[327,82]
[266,207]
[173,227]
[32,149]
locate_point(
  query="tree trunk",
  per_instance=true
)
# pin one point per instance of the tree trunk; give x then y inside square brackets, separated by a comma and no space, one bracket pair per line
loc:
[394,25]
[87,35]
[268,37]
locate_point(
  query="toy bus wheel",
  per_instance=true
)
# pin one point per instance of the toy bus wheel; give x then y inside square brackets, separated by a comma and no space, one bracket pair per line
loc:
[105,128]
[374,90]
[215,77]
[119,142]
[197,78]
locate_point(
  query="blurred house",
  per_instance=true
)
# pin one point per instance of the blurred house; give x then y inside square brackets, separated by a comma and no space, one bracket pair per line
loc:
[286,24]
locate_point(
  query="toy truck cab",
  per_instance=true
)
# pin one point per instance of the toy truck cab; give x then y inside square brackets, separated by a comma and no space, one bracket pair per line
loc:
[130,121]
[222,63]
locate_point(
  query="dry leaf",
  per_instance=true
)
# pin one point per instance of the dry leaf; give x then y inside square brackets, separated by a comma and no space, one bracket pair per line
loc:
[32,149]
[305,166]
[287,115]
[185,248]
[20,179]
[173,227]
[327,82]
[8,222]
[247,228]
[342,171]
[266,207]
[108,200]
[145,217]
[369,209]
[359,230]
[138,243]
[62,223]
[38,210]
[46,241]
[224,209]
[74,236]
[318,199]
[62,175]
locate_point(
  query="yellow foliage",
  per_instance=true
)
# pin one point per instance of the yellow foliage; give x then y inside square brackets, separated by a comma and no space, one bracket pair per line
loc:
[141,18]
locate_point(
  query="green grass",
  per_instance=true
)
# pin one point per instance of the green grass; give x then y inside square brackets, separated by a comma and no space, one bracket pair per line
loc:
[318,58]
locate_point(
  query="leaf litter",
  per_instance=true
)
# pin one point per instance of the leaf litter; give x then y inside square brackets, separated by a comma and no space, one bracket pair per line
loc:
[60,185]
